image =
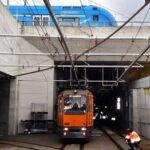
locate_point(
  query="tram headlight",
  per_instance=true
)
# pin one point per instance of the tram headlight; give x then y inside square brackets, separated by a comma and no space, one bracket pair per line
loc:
[83,129]
[65,129]
[84,133]
[65,133]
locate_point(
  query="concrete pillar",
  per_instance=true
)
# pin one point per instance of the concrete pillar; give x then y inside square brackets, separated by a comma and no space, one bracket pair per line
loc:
[13,107]
[135,110]
[4,105]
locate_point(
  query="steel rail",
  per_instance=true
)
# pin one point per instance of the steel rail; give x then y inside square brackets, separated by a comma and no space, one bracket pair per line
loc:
[29,145]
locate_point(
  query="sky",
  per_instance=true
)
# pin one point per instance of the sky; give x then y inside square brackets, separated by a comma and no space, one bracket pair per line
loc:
[121,9]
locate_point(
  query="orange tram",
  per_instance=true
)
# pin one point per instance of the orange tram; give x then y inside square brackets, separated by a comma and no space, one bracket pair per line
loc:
[75,114]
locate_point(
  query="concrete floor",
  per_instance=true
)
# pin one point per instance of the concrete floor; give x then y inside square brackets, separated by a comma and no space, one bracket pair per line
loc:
[52,141]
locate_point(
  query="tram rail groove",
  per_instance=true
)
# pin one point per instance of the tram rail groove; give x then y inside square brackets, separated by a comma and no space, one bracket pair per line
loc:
[63,146]
[114,141]
[32,146]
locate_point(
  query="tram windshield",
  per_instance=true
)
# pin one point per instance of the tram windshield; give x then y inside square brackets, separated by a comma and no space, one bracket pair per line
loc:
[75,104]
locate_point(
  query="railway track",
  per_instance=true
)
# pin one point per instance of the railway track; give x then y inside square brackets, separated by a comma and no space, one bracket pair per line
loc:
[6,145]
[26,146]
[100,140]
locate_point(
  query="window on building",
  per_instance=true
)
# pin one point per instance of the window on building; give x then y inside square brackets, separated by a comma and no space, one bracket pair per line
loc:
[95,18]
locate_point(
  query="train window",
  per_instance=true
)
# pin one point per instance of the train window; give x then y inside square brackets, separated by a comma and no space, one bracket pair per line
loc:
[66,8]
[95,18]
[68,21]
[45,20]
[76,7]
[59,19]
[37,20]
[75,103]
[95,8]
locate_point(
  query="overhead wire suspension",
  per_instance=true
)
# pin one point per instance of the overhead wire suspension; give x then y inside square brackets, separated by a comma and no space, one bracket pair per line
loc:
[107,38]
[47,3]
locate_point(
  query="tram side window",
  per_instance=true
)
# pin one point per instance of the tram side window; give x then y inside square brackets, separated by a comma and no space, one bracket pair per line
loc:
[60,106]
[95,18]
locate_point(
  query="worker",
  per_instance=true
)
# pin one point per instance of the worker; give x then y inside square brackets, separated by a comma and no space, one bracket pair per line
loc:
[133,139]
[83,106]
[75,106]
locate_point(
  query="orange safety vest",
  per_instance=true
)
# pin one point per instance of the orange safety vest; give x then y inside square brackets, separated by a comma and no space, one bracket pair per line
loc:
[133,136]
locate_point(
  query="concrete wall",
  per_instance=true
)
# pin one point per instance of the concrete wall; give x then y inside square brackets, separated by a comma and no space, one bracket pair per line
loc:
[37,88]
[140,106]
[7,26]
[24,89]
[28,89]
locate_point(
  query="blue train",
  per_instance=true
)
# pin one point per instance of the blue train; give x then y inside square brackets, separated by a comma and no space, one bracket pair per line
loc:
[66,15]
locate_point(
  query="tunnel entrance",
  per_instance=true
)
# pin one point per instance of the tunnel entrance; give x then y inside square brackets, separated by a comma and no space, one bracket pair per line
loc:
[110,104]
[4,103]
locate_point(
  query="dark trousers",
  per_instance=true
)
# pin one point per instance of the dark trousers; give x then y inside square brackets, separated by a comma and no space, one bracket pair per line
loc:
[134,145]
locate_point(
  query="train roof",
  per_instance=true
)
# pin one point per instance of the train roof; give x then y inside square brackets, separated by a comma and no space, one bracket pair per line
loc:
[74,10]
[77,91]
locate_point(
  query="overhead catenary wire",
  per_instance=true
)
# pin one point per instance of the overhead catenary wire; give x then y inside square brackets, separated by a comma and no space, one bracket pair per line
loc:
[133,40]
[121,14]
[26,2]
[56,50]
[87,22]
[86,18]
[29,9]
[47,3]
[38,70]
[142,23]
[45,34]
[118,29]
[133,62]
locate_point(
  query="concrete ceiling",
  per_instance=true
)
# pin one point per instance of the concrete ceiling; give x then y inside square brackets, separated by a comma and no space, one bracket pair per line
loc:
[114,50]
